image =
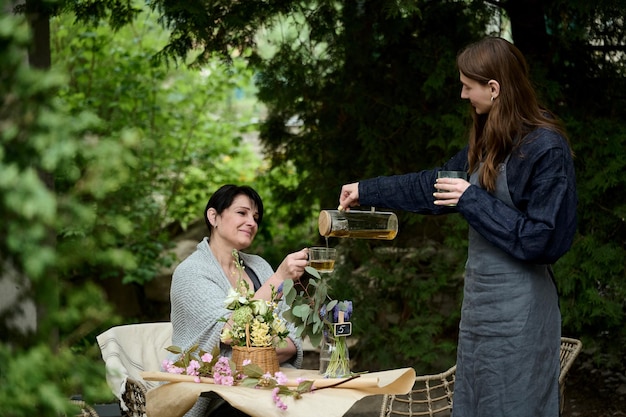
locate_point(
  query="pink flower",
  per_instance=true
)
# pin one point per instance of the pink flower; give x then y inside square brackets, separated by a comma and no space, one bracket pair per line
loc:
[193,367]
[277,401]
[220,379]
[281,378]
[222,374]
[166,364]
[176,370]
[222,366]
[228,380]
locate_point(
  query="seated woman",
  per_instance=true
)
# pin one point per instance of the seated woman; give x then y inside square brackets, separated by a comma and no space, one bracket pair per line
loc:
[201,282]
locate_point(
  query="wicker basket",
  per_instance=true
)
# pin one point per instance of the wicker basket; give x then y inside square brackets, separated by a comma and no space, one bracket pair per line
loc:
[264,357]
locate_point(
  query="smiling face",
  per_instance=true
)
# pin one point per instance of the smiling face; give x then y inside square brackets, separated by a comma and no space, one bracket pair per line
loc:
[237,225]
[480,95]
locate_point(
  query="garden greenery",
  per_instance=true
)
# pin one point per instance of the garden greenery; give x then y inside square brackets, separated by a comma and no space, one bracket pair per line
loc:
[104,152]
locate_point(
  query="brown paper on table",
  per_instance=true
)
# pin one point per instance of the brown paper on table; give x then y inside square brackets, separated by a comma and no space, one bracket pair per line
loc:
[175,398]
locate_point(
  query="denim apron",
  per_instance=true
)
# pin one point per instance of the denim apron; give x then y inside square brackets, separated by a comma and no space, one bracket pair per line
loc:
[509,339]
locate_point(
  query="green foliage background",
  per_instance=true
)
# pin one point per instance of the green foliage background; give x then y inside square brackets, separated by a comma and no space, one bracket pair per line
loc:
[189,124]
[374,91]
[114,150]
[41,140]
[103,155]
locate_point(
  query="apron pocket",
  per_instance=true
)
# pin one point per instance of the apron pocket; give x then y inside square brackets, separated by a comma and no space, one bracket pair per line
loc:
[496,305]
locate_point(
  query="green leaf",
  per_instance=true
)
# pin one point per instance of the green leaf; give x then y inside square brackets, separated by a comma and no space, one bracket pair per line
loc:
[253,370]
[305,386]
[215,352]
[313,272]
[302,311]
[315,339]
[289,292]
[300,330]
[174,349]
[318,326]
[287,285]
[331,305]
[250,382]
[288,315]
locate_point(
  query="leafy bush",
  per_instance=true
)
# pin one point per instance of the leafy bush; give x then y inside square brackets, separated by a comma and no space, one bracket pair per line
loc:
[591,275]
[51,180]
[190,127]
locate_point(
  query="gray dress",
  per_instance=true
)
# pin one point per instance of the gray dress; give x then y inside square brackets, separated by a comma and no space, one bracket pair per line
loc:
[508,350]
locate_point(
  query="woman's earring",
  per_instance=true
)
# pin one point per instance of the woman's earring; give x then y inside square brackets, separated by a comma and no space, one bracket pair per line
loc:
[492,99]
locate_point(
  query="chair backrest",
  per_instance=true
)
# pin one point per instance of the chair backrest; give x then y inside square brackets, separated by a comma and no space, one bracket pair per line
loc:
[432,395]
[570,348]
[130,349]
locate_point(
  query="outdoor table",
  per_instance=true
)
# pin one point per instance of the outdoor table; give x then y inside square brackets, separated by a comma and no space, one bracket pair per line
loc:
[176,397]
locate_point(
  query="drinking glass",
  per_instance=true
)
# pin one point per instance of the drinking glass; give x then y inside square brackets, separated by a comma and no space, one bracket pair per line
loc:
[322,259]
[451,174]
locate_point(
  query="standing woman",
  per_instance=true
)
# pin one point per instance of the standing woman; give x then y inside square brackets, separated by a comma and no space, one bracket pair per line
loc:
[520,203]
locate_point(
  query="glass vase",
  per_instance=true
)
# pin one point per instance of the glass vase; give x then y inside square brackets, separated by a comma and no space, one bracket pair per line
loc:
[334,357]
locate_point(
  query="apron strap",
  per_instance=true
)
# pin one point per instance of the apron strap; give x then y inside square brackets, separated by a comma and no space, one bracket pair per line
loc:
[558,293]
[254,278]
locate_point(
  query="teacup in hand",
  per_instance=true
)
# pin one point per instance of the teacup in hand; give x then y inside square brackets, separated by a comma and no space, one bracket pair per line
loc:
[322,259]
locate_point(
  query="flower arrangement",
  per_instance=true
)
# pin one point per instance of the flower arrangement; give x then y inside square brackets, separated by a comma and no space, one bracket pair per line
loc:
[222,371]
[316,316]
[254,322]
[334,356]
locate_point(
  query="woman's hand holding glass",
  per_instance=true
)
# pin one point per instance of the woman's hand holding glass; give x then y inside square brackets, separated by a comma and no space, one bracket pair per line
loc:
[450,186]
[292,267]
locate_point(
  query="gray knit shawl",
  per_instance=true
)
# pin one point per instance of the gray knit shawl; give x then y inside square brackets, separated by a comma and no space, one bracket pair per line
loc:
[199,288]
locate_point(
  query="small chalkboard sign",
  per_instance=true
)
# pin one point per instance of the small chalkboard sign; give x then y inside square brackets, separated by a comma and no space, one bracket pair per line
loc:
[343,329]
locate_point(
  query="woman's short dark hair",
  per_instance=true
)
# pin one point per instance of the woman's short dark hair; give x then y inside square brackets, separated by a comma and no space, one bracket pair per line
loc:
[224,196]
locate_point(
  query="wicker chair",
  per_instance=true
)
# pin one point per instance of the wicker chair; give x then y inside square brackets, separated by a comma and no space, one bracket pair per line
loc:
[570,348]
[85,409]
[127,351]
[134,397]
[432,394]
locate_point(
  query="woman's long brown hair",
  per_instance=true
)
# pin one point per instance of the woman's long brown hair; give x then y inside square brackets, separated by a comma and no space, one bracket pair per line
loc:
[514,113]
